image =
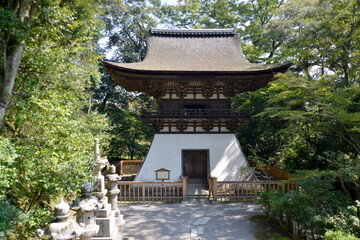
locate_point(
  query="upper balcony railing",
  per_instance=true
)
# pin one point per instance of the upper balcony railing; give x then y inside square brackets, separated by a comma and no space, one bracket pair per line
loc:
[195,113]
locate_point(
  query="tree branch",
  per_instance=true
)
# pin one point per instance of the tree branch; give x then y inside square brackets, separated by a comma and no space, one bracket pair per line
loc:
[22,94]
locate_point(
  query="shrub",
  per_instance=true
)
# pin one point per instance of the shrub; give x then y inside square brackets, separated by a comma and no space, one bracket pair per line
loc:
[315,206]
[339,235]
[8,217]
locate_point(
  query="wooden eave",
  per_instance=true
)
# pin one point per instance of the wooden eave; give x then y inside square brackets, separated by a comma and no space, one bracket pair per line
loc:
[133,79]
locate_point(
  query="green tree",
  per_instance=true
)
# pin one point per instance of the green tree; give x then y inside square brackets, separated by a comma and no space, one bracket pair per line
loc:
[51,124]
[320,35]
[127,27]
[202,14]
[16,19]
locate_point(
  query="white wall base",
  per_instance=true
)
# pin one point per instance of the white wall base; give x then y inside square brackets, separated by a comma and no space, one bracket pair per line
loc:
[226,159]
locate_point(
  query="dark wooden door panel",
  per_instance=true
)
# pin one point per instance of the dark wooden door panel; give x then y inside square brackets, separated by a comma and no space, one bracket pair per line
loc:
[195,164]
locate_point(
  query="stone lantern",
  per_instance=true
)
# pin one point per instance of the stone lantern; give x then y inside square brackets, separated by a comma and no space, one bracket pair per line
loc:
[112,186]
[99,186]
[85,207]
[61,228]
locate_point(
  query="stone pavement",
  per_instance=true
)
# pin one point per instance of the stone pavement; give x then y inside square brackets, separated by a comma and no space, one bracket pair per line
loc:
[197,219]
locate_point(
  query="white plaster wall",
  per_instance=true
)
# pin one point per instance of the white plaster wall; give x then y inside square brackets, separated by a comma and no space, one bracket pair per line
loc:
[225,156]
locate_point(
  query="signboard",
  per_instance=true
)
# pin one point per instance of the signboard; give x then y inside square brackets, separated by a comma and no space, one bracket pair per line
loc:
[162,174]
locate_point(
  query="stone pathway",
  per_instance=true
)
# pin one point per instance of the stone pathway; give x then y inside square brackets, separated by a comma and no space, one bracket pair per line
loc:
[197,219]
[197,189]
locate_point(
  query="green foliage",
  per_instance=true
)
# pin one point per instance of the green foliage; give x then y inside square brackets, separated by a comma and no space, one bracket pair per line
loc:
[7,168]
[345,221]
[315,206]
[25,224]
[127,27]
[301,121]
[308,119]
[202,14]
[130,137]
[323,34]
[338,235]
[48,133]
[8,218]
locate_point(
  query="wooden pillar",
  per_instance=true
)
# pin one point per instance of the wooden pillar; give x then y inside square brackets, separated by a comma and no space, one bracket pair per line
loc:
[214,187]
[143,192]
[184,188]
[121,168]
[295,235]
[255,190]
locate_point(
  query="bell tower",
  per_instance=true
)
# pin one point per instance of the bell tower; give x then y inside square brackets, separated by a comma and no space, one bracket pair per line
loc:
[193,74]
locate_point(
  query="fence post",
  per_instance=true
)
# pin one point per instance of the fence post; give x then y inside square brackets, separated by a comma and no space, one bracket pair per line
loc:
[121,168]
[143,192]
[283,187]
[184,189]
[215,190]
[255,190]
[295,235]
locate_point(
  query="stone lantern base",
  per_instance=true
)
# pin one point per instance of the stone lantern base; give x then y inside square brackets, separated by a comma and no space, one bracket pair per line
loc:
[111,224]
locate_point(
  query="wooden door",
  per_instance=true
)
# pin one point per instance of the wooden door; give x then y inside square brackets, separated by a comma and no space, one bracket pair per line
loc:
[195,164]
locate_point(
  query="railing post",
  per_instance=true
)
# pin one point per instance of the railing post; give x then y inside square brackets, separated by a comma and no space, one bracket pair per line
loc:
[121,168]
[214,190]
[255,191]
[143,192]
[184,189]
[295,235]
[283,187]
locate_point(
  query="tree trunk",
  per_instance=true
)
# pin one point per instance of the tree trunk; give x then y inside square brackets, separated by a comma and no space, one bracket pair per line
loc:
[13,48]
[11,66]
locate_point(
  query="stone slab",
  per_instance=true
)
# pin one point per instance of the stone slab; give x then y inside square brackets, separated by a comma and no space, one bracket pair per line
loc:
[234,208]
[200,231]
[201,221]
[196,222]
[194,232]
[213,214]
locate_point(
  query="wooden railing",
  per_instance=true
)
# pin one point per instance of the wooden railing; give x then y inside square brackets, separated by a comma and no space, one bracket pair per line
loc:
[244,191]
[130,166]
[190,113]
[275,173]
[140,192]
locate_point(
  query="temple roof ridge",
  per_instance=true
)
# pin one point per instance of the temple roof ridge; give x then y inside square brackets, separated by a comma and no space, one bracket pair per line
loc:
[210,32]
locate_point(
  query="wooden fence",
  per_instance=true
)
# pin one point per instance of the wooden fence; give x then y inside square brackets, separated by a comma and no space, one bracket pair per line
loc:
[130,166]
[139,192]
[275,173]
[244,191]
